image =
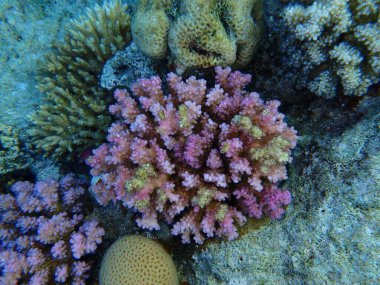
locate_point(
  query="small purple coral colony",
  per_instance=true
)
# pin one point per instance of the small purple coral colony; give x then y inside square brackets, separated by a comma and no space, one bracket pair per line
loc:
[203,159]
[44,238]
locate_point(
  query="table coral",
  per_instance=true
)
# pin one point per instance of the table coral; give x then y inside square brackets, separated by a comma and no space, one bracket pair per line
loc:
[75,117]
[202,158]
[43,233]
[199,33]
[339,40]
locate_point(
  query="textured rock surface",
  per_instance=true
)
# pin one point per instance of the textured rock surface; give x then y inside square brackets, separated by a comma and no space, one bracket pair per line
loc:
[125,68]
[330,233]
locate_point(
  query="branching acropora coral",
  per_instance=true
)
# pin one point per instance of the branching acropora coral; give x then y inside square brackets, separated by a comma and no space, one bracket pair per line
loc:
[44,238]
[75,115]
[203,34]
[340,40]
[203,159]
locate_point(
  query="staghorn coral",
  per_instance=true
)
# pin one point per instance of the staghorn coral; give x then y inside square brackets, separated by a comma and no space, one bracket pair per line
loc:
[12,156]
[203,159]
[339,41]
[44,237]
[203,34]
[75,114]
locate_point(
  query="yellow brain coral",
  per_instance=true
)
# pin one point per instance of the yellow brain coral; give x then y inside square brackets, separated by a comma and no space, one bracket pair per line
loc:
[198,37]
[199,33]
[150,26]
[244,17]
[137,260]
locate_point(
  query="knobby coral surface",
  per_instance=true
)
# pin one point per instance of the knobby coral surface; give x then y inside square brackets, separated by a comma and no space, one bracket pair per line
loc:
[340,44]
[204,159]
[199,33]
[44,238]
[75,115]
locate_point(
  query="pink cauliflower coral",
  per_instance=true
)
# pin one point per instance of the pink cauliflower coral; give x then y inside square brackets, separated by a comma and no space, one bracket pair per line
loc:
[43,233]
[202,158]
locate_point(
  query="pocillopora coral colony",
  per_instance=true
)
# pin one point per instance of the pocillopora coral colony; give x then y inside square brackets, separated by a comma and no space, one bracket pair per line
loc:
[340,42]
[202,159]
[45,238]
[75,115]
[203,33]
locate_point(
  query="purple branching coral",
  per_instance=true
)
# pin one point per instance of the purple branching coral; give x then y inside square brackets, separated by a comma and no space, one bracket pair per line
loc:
[44,238]
[203,159]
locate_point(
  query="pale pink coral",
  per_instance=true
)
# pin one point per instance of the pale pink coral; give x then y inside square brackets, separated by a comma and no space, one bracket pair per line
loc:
[38,223]
[86,239]
[203,159]
[59,250]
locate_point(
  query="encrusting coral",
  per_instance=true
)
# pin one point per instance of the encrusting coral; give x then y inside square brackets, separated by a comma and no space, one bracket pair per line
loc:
[44,238]
[203,159]
[340,42]
[136,260]
[74,116]
[203,34]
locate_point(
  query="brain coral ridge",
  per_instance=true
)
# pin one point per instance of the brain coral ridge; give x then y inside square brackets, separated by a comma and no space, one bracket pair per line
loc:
[202,34]
[201,159]
[137,260]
